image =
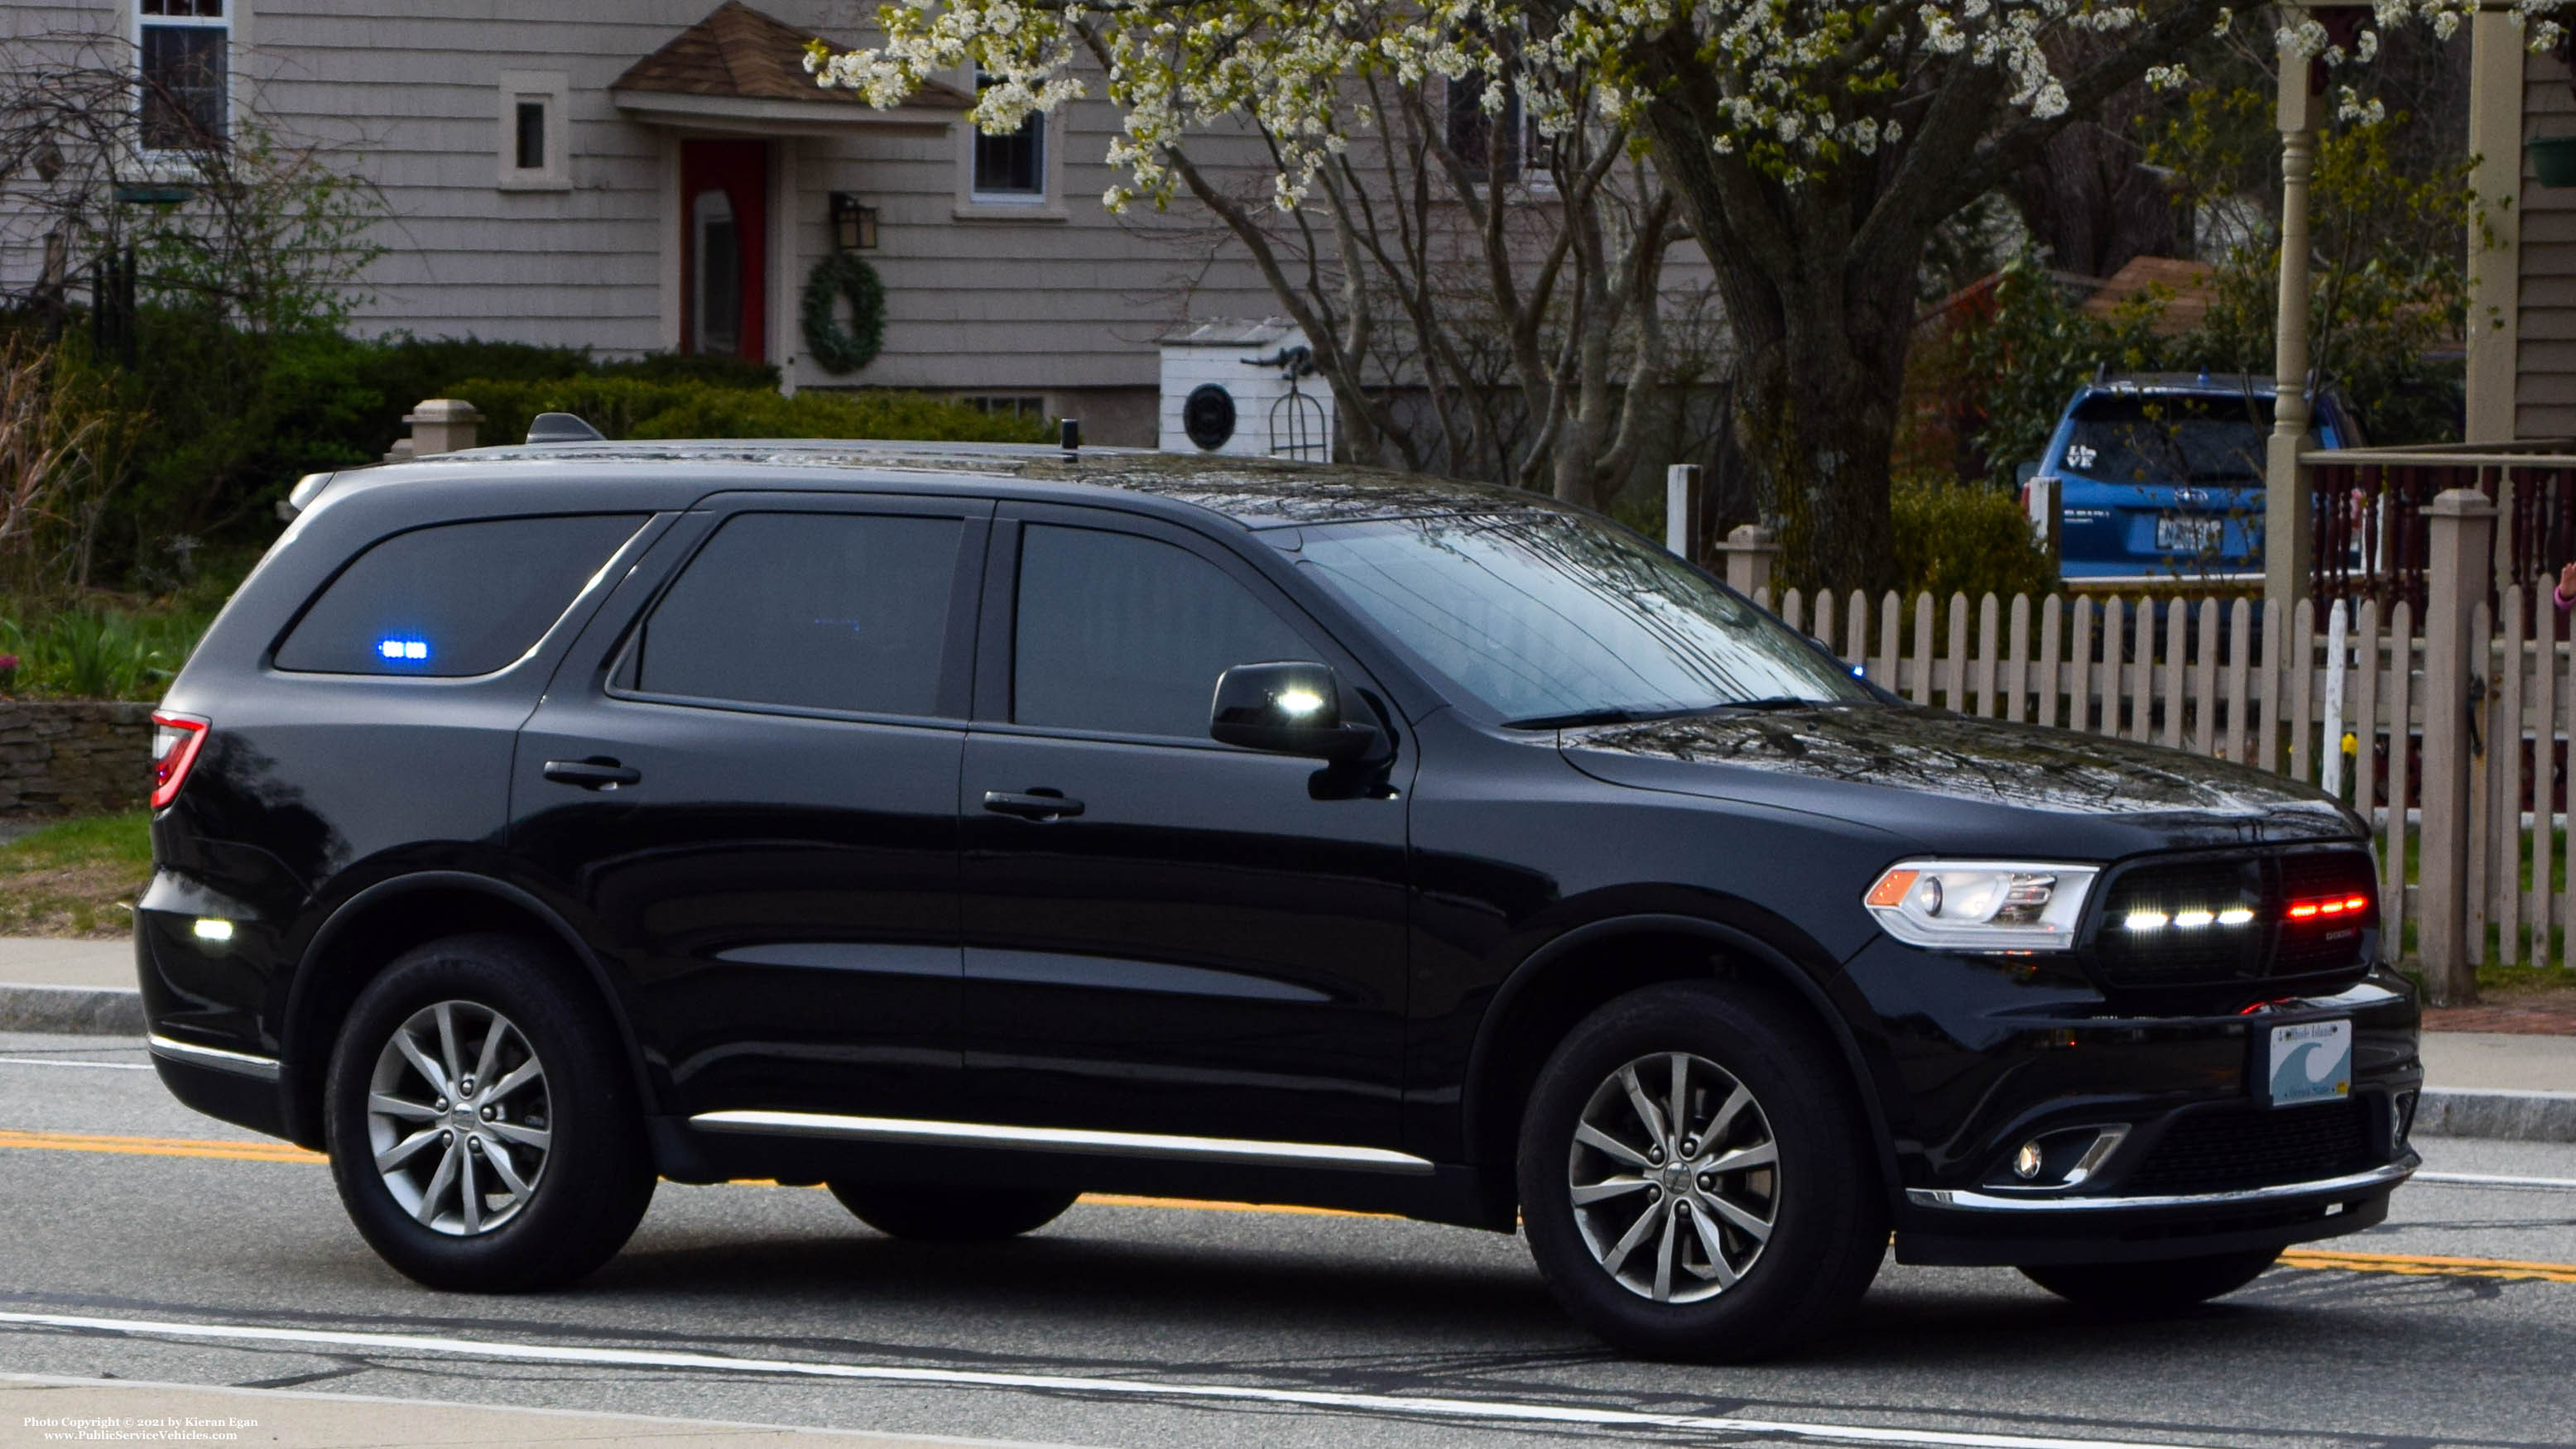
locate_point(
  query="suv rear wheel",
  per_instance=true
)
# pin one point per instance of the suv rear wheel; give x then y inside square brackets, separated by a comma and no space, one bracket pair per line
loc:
[481,1128]
[1692,1186]
[931,1214]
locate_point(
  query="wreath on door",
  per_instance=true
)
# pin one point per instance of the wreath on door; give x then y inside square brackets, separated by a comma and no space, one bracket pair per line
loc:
[839,276]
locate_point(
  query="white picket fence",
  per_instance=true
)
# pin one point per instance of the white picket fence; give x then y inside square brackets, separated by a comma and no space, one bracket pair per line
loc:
[2232,678]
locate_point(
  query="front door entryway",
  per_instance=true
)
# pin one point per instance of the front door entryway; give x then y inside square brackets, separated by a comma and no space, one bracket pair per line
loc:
[724,236]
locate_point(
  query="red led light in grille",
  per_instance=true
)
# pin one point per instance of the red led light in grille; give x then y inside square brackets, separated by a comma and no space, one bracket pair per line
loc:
[2330,906]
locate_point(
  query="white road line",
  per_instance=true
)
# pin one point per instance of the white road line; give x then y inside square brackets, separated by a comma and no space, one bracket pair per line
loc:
[103,1066]
[2482,1179]
[1502,1410]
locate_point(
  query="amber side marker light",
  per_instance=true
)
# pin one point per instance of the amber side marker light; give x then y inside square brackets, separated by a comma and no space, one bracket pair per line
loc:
[1891,887]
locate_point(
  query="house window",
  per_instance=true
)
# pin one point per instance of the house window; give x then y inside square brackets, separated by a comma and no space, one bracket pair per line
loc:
[719,260]
[1473,135]
[1013,167]
[183,48]
[1014,405]
[531,134]
[534,134]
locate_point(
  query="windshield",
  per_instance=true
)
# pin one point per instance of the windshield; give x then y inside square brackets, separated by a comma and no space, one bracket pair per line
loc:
[2170,440]
[1552,618]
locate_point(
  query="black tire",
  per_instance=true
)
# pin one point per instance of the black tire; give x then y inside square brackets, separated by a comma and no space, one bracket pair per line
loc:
[1827,1209]
[595,1177]
[2166,1285]
[927,1214]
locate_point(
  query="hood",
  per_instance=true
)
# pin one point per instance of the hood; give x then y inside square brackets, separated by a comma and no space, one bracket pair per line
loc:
[1955,782]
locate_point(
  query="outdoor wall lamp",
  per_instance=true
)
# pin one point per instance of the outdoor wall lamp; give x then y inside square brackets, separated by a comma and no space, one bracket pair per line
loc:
[854,226]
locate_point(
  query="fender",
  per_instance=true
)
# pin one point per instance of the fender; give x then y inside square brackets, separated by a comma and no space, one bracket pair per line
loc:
[1733,940]
[307,969]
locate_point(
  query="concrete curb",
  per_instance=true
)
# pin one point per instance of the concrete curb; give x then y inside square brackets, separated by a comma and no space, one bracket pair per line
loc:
[76,1010]
[2513,1116]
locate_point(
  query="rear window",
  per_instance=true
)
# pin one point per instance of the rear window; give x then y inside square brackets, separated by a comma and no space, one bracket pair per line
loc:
[840,611]
[2169,440]
[454,599]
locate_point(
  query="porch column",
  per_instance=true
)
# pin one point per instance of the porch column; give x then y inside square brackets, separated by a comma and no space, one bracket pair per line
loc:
[2495,269]
[2286,506]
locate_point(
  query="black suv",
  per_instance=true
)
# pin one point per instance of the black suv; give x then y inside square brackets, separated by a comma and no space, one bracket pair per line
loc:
[970,828]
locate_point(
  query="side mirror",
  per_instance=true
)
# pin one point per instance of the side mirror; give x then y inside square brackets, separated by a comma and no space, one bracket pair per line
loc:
[1288,709]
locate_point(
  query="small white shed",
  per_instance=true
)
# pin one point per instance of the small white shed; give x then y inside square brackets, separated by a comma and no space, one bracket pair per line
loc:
[1244,389]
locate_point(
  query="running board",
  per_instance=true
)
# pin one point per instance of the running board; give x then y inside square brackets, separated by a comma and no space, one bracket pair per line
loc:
[1061,1139]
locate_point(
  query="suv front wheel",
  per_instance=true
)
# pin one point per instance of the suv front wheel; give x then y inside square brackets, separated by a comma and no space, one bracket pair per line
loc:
[482,1132]
[1693,1187]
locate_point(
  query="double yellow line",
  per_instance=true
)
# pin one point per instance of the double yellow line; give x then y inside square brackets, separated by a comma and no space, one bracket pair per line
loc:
[2411,1264]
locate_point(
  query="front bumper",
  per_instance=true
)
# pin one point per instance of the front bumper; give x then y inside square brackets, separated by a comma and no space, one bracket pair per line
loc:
[1977,1057]
[1967,1228]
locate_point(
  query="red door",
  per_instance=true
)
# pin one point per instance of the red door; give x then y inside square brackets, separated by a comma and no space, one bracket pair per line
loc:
[724,247]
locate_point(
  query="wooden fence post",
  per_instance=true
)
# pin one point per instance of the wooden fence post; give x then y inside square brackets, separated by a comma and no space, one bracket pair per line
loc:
[1681,510]
[2460,569]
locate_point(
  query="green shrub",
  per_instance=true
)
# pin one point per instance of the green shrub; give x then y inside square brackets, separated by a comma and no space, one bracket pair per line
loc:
[631,407]
[1965,538]
[97,653]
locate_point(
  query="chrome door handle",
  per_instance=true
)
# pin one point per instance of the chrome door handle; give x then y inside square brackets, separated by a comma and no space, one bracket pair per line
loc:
[592,774]
[1032,805]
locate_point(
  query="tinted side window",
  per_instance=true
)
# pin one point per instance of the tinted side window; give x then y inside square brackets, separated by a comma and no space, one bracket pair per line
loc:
[459,598]
[1128,634]
[841,611]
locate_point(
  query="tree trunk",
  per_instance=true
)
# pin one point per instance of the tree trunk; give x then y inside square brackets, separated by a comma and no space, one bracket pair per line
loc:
[1823,324]
[1817,418]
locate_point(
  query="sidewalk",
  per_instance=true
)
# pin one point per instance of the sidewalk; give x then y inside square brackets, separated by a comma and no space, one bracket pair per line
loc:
[2516,1084]
[34,1410]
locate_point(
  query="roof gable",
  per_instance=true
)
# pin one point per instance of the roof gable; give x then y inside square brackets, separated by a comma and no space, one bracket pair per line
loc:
[738,52]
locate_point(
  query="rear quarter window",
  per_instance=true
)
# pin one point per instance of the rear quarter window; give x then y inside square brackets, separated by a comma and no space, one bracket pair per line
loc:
[451,599]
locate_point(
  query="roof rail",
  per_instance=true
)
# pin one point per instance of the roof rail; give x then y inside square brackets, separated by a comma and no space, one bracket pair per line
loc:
[562,428]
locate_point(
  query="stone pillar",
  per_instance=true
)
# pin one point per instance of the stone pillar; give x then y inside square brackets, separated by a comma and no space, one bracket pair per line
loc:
[2457,576]
[2287,507]
[2495,282]
[442,425]
[1749,550]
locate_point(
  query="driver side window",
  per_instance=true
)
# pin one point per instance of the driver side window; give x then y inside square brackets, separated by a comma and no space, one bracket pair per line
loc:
[1127,635]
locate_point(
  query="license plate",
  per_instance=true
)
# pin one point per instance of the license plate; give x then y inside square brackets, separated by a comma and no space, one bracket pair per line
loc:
[2189,535]
[2309,1062]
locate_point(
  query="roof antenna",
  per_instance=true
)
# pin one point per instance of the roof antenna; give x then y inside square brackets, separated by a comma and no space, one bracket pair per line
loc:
[562,428]
[1072,438]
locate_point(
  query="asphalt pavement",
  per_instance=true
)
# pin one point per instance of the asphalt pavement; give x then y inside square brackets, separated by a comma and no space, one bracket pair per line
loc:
[150,1246]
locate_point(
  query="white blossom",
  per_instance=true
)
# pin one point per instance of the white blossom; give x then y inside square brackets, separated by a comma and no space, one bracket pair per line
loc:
[1799,86]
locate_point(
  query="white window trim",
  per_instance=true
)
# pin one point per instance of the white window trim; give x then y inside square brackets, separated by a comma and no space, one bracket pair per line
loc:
[554,88]
[1046,204]
[235,23]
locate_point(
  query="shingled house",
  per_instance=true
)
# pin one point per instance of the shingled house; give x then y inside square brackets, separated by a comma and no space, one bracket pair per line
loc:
[649,175]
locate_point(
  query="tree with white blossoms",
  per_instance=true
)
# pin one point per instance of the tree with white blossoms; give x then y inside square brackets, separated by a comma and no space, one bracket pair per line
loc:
[1812,146]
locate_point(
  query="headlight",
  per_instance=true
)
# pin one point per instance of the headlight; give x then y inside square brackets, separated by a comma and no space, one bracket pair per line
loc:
[1982,905]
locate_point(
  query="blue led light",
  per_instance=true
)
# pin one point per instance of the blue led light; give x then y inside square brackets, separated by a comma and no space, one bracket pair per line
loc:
[403,649]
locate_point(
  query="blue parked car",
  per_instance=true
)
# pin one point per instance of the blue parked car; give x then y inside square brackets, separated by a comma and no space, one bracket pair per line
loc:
[2160,475]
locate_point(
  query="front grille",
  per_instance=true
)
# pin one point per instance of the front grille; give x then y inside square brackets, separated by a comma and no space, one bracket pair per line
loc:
[2263,942]
[2251,1147]
[2170,955]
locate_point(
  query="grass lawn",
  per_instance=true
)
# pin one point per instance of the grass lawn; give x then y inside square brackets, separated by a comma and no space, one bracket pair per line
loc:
[78,877]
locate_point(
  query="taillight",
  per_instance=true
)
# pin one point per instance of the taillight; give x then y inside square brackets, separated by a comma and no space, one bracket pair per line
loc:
[176,739]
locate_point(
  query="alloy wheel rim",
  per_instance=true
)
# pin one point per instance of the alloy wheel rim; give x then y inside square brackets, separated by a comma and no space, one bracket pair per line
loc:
[1674,1175]
[459,1118]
